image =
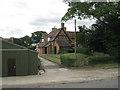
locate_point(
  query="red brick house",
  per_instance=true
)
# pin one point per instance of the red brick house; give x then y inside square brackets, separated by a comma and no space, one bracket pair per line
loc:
[56,40]
[9,40]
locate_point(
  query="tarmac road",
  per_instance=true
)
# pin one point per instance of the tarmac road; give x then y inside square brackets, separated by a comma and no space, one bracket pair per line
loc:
[58,76]
[107,83]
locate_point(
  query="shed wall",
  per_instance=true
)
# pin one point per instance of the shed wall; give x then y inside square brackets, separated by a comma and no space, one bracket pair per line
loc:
[33,62]
[21,62]
[26,60]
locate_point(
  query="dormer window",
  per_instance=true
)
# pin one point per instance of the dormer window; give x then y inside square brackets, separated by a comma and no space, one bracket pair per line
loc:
[48,39]
[42,40]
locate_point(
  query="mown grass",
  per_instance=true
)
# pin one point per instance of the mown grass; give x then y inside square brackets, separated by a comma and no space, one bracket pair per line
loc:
[56,58]
[72,55]
[53,57]
[106,65]
[97,66]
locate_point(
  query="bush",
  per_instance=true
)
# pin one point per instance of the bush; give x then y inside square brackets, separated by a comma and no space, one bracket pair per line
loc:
[114,51]
[100,59]
[63,51]
[82,50]
[32,47]
[69,59]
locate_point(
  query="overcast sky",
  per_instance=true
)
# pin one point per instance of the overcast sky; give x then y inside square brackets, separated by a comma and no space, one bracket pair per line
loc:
[22,17]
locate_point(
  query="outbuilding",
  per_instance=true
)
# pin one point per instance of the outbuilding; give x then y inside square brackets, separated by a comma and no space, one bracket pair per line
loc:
[18,60]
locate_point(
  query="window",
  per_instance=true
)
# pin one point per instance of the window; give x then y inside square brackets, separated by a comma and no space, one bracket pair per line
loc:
[42,40]
[48,38]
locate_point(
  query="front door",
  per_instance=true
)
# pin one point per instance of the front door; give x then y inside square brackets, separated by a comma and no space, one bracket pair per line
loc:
[45,50]
[11,67]
[55,50]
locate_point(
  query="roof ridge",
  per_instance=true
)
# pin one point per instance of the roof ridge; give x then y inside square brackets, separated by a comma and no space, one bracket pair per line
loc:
[22,47]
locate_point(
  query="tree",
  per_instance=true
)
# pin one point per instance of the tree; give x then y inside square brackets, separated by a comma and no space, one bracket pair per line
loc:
[27,41]
[82,35]
[104,34]
[85,10]
[36,36]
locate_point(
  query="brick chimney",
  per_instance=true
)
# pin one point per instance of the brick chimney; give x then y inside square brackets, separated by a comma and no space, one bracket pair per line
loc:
[62,26]
[9,39]
[54,29]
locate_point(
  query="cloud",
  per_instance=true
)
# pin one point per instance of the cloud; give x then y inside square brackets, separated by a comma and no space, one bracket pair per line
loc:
[23,17]
[15,31]
[45,21]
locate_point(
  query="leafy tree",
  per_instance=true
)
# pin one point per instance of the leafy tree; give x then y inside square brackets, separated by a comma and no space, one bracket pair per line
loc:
[104,34]
[36,36]
[17,41]
[82,35]
[27,41]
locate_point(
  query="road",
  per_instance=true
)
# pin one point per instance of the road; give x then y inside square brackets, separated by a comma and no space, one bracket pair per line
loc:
[56,75]
[107,83]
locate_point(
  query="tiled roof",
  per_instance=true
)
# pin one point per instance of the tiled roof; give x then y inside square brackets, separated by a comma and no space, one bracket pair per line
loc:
[45,36]
[53,34]
[71,34]
[63,42]
[8,40]
[43,44]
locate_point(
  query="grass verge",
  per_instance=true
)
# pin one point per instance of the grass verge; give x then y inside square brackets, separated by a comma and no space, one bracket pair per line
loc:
[97,66]
[56,58]
[53,57]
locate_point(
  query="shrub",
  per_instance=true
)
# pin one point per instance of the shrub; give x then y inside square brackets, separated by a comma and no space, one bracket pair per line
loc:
[100,59]
[32,47]
[114,51]
[71,50]
[69,59]
[82,50]
[63,51]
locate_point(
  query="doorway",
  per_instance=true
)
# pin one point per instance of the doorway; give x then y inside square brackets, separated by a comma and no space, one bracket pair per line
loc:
[45,50]
[11,67]
[55,50]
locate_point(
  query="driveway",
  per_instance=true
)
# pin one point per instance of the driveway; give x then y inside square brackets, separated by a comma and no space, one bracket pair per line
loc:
[55,74]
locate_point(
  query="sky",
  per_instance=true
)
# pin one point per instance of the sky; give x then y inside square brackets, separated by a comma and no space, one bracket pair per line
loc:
[23,17]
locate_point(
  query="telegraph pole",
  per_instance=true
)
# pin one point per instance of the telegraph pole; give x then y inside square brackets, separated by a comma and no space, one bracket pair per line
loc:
[75,41]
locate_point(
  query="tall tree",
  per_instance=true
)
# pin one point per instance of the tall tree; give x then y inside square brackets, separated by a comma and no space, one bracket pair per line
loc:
[36,36]
[104,35]
[27,41]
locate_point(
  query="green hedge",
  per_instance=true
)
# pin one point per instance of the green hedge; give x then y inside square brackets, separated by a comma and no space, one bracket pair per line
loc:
[100,59]
[63,51]
[69,59]
[82,50]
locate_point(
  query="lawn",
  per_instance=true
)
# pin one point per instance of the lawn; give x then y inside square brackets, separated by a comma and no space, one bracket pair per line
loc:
[56,58]
[52,57]
[72,55]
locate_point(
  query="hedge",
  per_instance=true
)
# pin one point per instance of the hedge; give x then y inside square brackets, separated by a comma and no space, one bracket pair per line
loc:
[101,59]
[63,51]
[82,50]
[69,59]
